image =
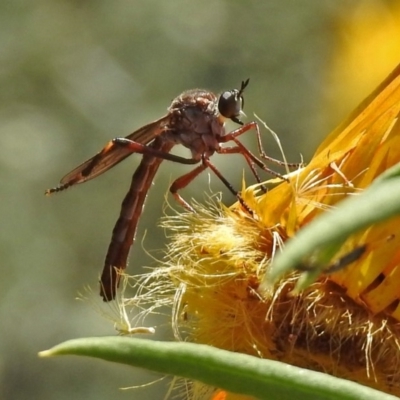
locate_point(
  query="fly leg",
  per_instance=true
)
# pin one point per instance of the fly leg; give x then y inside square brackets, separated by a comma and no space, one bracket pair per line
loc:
[184,180]
[232,136]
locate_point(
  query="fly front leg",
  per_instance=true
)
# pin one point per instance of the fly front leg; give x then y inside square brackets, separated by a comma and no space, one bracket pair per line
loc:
[245,128]
[251,160]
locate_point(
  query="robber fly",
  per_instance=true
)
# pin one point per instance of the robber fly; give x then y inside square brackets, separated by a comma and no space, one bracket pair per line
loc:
[196,120]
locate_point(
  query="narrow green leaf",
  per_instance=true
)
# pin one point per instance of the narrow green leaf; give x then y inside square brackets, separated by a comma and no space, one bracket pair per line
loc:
[238,373]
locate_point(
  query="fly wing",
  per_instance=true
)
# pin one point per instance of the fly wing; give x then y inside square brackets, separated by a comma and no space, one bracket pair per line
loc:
[110,155]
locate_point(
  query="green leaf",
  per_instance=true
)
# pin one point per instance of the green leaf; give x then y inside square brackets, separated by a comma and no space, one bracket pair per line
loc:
[238,373]
[323,237]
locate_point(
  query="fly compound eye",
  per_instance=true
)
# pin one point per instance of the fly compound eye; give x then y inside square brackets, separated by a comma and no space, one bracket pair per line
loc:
[231,102]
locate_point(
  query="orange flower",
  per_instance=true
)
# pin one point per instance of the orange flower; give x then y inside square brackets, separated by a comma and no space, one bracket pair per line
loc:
[347,323]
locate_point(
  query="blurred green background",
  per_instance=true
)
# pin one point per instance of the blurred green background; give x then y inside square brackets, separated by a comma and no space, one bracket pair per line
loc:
[75,74]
